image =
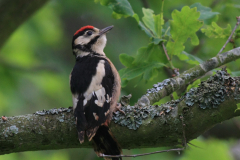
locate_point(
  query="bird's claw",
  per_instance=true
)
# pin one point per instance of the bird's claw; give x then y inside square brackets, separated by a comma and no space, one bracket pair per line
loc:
[118,108]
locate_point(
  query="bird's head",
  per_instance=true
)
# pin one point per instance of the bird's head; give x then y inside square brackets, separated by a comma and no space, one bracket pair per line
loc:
[89,39]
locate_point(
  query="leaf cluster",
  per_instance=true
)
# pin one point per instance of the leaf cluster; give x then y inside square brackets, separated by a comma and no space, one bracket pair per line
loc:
[174,34]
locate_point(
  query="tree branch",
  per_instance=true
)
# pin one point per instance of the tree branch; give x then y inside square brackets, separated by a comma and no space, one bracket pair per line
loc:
[230,37]
[170,85]
[15,13]
[142,126]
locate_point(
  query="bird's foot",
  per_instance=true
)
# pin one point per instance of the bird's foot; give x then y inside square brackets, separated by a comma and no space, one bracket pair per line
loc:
[118,108]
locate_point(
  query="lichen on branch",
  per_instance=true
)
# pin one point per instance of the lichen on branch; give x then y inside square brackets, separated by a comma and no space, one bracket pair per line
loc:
[168,86]
[143,125]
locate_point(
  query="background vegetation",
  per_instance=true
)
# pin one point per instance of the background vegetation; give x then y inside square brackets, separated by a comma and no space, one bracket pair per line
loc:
[36,60]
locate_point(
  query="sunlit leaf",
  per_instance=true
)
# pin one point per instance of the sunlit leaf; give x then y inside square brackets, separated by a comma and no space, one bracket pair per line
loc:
[238,107]
[214,31]
[194,84]
[175,48]
[136,17]
[148,20]
[184,25]
[175,96]
[158,22]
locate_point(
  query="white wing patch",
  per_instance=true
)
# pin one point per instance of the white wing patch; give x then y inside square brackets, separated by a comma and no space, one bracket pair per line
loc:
[95,116]
[95,85]
[100,97]
[109,99]
[106,113]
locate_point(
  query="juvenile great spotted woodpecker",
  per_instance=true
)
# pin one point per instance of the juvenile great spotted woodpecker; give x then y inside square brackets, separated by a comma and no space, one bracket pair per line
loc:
[95,87]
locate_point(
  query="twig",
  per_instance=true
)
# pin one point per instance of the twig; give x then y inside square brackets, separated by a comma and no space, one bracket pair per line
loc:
[185,141]
[165,51]
[195,145]
[137,155]
[229,38]
[175,70]
[145,4]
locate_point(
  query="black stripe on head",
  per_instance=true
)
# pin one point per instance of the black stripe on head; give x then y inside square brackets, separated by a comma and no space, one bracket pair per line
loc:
[94,40]
[80,47]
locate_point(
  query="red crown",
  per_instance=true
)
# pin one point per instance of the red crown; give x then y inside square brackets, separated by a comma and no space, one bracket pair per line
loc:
[83,28]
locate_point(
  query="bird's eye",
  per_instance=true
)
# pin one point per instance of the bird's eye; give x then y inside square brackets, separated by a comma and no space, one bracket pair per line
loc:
[89,33]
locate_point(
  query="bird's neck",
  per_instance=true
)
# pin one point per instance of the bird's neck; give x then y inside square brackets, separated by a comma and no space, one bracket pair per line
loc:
[81,54]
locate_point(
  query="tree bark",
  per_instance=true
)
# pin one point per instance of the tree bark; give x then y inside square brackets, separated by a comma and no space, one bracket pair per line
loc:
[151,126]
[168,86]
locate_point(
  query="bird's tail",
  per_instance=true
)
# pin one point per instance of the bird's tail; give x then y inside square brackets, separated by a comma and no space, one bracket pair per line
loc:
[105,143]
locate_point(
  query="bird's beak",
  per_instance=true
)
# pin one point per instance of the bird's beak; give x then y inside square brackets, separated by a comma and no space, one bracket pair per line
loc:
[105,30]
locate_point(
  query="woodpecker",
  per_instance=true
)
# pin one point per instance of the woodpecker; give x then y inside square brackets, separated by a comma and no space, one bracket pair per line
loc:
[95,85]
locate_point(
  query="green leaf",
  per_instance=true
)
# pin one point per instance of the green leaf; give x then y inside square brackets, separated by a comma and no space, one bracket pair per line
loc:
[126,60]
[150,73]
[124,83]
[156,41]
[193,85]
[158,22]
[149,20]
[238,107]
[175,96]
[151,53]
[122,7]
[207,150]
[144,69]
[205,12]
[166,29]
[189,58]
[174,48]
[136,17]
[153,22]
[184,25]
[145,29]
[214,31]
[116,15]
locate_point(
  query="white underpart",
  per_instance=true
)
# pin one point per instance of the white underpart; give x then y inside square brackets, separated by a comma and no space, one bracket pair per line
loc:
[95,84]
[75,100]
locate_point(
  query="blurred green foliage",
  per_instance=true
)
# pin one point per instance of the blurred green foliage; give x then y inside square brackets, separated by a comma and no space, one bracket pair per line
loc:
[36,61]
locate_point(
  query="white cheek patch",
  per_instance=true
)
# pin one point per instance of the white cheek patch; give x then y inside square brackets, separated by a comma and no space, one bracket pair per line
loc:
[95,85]
[82,40]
